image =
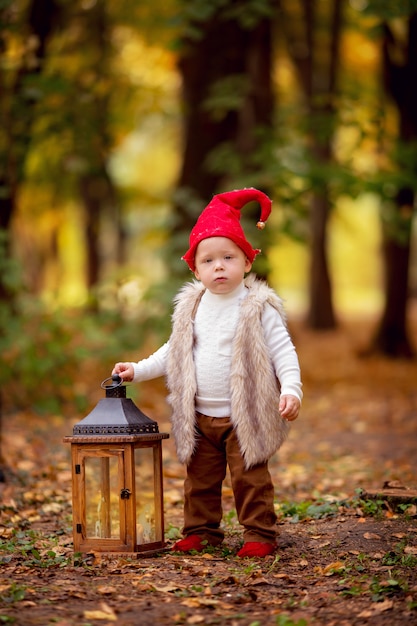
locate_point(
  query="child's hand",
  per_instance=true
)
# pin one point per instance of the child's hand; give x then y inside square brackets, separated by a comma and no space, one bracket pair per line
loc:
[289,407]
[124,370]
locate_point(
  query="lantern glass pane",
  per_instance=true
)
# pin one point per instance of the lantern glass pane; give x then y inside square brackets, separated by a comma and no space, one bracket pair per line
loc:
[101,497]
[146,531]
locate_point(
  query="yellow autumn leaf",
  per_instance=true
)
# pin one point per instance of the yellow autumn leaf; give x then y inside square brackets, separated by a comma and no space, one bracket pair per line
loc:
[330,569]
[194,603]
[333,567]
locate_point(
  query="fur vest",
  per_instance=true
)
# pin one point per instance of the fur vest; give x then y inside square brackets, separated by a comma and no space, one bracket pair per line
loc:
[254,387]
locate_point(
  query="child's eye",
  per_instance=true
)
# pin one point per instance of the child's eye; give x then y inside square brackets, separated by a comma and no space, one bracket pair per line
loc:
[228,257]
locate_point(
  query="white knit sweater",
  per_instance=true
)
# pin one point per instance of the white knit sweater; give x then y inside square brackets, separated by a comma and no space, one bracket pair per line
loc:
[214,328]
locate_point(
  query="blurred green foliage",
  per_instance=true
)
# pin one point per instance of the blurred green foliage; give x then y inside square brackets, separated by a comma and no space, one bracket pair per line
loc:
[52,360]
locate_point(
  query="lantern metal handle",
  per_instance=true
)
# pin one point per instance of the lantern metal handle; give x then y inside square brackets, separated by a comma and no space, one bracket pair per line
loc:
[115,378]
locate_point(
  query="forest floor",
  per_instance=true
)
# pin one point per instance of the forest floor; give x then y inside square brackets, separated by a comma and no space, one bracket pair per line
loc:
[344,558]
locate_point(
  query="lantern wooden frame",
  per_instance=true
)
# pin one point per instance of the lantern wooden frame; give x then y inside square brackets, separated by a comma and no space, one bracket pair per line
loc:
[109,440]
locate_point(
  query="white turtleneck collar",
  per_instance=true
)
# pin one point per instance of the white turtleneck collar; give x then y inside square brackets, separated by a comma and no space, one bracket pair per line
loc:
[221,298]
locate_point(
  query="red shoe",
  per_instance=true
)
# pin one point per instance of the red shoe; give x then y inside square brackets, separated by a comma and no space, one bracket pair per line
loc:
[192,542]
[256,548]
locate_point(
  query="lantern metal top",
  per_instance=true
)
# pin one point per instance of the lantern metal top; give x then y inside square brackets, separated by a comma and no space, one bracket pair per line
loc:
[115,415]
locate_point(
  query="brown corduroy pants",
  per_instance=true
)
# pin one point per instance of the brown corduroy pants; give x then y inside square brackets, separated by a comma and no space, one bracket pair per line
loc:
[217,447]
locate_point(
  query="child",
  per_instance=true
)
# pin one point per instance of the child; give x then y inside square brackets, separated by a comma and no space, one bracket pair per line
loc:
[233,376]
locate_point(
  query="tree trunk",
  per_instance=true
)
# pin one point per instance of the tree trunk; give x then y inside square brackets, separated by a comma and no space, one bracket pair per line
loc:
[18,108]
[97,191]
[316,58]
[98,194]
[320,314]
[224,56]
[201,65]
[91,196]
[392,337]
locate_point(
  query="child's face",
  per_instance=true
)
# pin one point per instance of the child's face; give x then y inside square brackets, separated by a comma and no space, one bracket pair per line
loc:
[220,264]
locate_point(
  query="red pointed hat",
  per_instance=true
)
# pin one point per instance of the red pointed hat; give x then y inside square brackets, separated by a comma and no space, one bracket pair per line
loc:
[221,218]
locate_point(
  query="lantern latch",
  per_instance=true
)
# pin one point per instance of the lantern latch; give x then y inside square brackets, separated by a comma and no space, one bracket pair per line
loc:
[125,494]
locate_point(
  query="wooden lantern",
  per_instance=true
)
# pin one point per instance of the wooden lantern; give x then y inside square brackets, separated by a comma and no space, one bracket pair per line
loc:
[117,487]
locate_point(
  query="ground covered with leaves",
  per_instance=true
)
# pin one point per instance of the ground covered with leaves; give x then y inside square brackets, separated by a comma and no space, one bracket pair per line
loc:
[346,556]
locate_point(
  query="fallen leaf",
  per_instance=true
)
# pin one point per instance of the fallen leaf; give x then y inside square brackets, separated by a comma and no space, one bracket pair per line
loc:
[196,619]
[379,607]
[330,569]
[386,605]
[167,588]
[372,536]
[193,603]
[105,612]
[106,590]
[257,581]
[75,592]
[229,580]
[53,507]
[393,484]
